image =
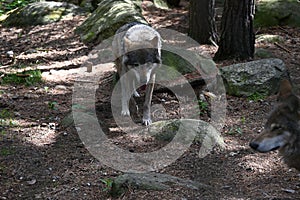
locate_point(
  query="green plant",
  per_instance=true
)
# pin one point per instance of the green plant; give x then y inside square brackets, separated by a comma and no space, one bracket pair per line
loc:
[107,184]
[6,119]
[2,169]
[28,78]
[2,132]
[4,114]
[235,131]
[46,89]
[19,66]
[52,105]
[203,106]
[256,96]
[243,120]
[6,151]
[8,5]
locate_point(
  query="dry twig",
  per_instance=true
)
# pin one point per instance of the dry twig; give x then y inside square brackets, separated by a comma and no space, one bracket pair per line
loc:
[282,47]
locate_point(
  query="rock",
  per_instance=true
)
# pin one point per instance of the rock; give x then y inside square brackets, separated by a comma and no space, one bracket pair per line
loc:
[151,181]
[268,38]
[277,13]
[10,54]
[256,77]
[108,18]
[43,12]
[171,58]
[180,61]
[31,182]
[263,53]
[148,4]
[67,120]
[203,131]
[162,4]
[60,87]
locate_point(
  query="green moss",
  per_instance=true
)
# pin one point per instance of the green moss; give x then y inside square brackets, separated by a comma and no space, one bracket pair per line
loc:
[232,90]
[107,18]
[41,13]
[256,96]
[263,53]
[277,12]
[168,132]
[162,4]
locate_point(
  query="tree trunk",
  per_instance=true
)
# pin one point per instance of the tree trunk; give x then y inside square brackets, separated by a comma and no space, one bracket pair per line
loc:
[202,21]
[237,36]
[173,2]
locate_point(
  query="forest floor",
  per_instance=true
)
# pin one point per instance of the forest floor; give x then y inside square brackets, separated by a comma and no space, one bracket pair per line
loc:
[41,159]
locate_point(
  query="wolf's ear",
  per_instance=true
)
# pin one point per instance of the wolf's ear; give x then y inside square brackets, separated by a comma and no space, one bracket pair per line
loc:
[293,103]
[154,42]
[285,89]
[125,59]
[287,96]
[127,42]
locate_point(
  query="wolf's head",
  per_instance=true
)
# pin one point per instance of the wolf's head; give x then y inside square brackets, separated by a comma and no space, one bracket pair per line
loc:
[143,63]
[142,56]
[282,122]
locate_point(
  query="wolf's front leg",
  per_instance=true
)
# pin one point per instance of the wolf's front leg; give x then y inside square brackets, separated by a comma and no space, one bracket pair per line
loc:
[147,104]
[125,97]
[135,93]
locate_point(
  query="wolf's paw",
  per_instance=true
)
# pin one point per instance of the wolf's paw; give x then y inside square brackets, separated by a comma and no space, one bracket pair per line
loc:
[147,121]
[125,112]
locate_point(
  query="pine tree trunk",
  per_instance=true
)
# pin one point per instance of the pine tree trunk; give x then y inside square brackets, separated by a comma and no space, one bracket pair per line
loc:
[237,36]
[202,21]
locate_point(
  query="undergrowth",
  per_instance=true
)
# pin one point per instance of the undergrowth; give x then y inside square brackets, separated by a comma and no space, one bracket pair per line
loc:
[8,5]
[27,78]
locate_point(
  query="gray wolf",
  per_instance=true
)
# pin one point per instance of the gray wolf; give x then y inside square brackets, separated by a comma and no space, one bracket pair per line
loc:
[137,51]
[282,130]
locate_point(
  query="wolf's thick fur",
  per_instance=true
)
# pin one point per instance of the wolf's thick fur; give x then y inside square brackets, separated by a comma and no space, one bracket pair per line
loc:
[282,129]
[137,50]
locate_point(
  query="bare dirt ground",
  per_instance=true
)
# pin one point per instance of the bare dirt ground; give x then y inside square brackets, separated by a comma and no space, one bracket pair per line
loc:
[41,159]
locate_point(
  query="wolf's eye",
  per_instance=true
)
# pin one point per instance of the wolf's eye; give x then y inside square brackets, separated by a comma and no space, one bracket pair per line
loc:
[133,64]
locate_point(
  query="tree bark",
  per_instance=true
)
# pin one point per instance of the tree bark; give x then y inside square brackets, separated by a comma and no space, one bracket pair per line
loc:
[202,21]
[237,36]
[173,2]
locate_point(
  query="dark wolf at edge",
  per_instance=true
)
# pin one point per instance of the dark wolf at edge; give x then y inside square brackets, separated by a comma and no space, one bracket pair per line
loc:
[282,130]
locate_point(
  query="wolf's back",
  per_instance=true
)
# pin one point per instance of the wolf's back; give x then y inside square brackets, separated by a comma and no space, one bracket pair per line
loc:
[137,36]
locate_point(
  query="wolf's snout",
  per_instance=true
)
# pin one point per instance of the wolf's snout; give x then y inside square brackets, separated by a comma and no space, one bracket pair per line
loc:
[254,145]
[144,82]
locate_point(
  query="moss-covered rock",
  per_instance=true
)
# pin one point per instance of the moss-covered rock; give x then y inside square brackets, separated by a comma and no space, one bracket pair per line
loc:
[152,181]
[107,18]
[277,12]
[204,133]
[256,77]
[185,61]
[41,13]
[162,4]
[263,53]
[268,38]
